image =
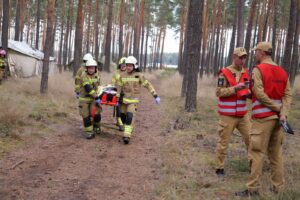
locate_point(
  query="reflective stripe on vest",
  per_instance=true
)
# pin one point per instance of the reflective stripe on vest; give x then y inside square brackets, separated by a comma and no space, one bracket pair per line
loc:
[129,101]
[234,105]
[259,110]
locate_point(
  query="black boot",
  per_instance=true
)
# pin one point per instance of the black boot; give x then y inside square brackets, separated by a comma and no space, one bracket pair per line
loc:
[121,128]
[97,130]
[126,140]
[220,172]
[247,193]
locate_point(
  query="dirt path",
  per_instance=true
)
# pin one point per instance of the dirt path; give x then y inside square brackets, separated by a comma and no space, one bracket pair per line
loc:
[65,166]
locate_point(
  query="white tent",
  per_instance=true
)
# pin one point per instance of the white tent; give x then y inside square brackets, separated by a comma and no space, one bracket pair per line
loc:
[25,61]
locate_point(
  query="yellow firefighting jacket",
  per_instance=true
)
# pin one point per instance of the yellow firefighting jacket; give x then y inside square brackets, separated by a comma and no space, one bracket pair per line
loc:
[89,87]
[79,73]
[131,86]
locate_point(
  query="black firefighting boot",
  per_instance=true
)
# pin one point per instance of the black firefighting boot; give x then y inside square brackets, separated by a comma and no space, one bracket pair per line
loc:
[97,130]
[247,193]
[220,172]
[126,140]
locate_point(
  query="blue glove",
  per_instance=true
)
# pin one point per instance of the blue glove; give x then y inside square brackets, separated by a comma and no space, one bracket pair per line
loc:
[77,95]
[98,101]
[157,100]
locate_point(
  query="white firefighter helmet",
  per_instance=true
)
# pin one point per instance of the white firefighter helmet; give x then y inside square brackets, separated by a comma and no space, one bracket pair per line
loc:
[91,63]
[87,57]
[132,60]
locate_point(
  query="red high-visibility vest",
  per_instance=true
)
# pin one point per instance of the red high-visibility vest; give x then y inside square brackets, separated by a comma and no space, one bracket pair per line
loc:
[274,80]
[234,105]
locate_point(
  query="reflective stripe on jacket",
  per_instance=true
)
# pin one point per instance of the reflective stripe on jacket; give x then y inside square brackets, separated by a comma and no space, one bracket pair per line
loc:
[234,105]
[274,80]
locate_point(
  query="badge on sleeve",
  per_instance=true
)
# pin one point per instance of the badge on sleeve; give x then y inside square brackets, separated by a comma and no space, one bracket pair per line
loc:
[220,82]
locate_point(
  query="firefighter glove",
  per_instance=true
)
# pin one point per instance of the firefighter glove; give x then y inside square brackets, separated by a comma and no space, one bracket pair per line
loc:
[157,100]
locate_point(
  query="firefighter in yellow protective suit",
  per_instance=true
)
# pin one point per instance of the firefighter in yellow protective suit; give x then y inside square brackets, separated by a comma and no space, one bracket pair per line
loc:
[89,99]
[80,71]
[132,81]
[116,81]
[232,91]
[3,64]
[271,98]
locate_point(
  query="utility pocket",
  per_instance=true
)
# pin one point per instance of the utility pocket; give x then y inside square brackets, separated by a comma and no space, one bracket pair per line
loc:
[256,140]
[221,127]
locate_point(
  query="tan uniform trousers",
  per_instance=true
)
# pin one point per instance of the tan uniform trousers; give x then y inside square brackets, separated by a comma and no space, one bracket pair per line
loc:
[226,126]
[266,137]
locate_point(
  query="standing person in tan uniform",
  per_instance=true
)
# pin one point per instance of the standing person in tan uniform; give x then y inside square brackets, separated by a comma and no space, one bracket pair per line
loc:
[271,98]
[232,91]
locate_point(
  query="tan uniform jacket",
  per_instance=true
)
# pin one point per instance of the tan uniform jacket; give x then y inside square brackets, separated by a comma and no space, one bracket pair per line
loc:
[258,90]
[224,90]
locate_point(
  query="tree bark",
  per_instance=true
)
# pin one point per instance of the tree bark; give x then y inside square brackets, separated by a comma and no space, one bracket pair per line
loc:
[62,24]
[240,27]
[194,34]
[78,37]
[108,37]
[137,30]
[17,22]
[47,50]
[295,56]
[249,26]
[290,37]
[97,31]
[38,18]
[146,49]
[232,42]
[5,24]
[121,29]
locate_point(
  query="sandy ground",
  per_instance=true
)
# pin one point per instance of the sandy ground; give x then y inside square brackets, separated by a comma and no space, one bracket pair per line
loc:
[66,166]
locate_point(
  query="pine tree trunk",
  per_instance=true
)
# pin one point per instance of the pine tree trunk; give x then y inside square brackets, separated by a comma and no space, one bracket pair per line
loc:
[249,26]
[88,32]
[78,37]
[121,29]
[47,50]
[66,39]
[108,37]
[274,34]
[295,56]
[240,26]
[232,41]
[162,48]
[37,34]
[289,37]
[17,22]
[146,49]
[62,24]
[194,35]
[183,16]
[97,31]
[137,30]
[143,31]
[5,24]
